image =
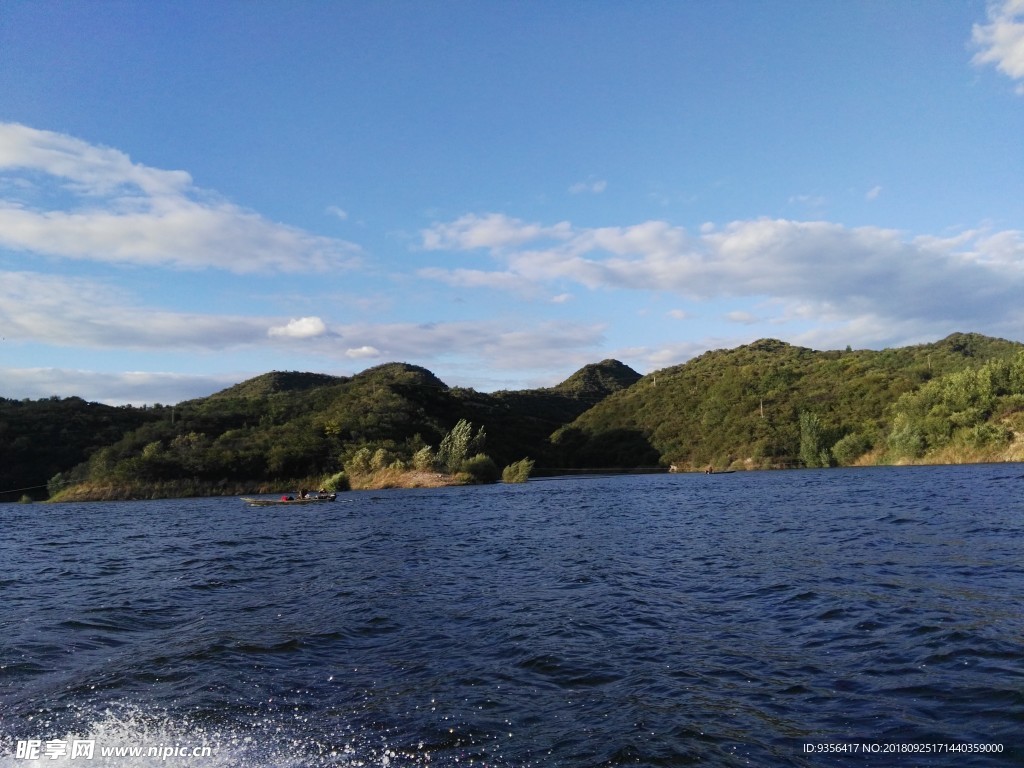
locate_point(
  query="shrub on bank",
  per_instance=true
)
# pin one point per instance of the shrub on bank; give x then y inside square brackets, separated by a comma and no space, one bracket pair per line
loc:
[337,482]
[517,472]
[481,468]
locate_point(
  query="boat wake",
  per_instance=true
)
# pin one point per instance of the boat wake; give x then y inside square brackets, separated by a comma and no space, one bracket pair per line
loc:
[128,735]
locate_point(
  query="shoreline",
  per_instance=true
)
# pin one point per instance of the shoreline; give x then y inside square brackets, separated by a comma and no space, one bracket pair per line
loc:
[396,479]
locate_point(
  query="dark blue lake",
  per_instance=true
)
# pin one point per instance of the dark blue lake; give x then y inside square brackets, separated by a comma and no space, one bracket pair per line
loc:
[740,619]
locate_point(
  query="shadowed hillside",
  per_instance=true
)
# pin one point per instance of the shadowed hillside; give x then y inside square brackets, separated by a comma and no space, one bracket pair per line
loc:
[765,404]
[40,438]
[287,427]
[759,404]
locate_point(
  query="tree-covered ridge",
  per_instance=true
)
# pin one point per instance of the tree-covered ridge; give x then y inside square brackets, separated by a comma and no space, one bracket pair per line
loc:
[293,426]
[765,404]
[746,404]
[275,382]
[961,415]
[39,438]
[599,380]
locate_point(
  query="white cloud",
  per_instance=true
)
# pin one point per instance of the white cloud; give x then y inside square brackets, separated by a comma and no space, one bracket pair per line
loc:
[128,213]
[741,317]
[678,314]
[873,193]
[1001,40]
[85,168]
[365,351]
[302,328]
[133,387]
[492,345]
[810,268]
[491,230]
[77,312]
[479,278]
[674,354]
[593,186]
[340,213]
[562,298]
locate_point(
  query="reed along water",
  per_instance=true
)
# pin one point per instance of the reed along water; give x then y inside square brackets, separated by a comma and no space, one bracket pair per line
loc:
[829,617]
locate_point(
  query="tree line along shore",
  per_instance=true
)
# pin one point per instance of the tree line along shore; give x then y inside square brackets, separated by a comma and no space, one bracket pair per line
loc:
[763,405]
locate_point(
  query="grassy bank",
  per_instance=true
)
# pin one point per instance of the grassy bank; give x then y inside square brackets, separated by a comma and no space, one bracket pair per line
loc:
[406,478]
[171,489]
[179,489]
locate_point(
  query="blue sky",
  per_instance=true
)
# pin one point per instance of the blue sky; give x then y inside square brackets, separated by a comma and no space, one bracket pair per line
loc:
[195,193]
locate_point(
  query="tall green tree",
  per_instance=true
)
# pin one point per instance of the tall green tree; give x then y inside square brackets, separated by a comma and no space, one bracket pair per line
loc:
[812,451]
[459,444]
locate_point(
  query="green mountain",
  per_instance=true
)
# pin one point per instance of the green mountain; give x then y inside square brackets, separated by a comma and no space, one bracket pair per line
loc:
[768,404]
[295,426]
[276,382]
[596,382]
[39,438]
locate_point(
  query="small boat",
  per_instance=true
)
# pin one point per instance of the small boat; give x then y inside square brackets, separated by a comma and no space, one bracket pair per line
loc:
[285,501]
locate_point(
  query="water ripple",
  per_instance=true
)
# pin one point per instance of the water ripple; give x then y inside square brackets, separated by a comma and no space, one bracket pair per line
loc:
[658,620]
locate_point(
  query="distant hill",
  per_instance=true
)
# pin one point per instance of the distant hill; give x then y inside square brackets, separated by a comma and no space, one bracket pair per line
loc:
[290,426]
[599,380]
[40,438]
[745,404]
[765,404]
[276,382]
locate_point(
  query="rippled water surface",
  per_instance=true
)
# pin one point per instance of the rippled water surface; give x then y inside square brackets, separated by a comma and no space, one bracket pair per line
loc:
[653,620]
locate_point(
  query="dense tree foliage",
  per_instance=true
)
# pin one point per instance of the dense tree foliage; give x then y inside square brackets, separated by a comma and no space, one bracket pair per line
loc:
[974,409]
[40,438]
[289,427]
[766,404]
[458,445]
[517,472]
[745,405]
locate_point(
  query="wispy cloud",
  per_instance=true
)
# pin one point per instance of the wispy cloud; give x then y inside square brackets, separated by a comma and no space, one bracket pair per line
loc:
[489,230]
[492,344]
[363,352]
[132,387]
[811,201]
[1001,40]
[741,318]
[873,193]
[593,186]
[76,312]
[66,312]
[808,267]
[117,211]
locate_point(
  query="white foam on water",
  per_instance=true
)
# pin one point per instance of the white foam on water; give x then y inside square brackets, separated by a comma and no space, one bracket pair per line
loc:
[128,736]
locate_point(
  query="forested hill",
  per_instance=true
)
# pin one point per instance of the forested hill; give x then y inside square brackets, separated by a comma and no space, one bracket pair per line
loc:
[284,426]
[766,404]
[277,382]
[773,404]
[39,438]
